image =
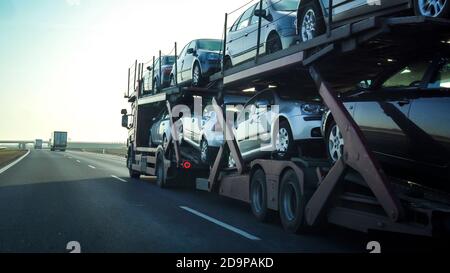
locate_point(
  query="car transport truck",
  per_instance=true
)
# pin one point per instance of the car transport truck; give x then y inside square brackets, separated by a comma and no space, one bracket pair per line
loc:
[58,141]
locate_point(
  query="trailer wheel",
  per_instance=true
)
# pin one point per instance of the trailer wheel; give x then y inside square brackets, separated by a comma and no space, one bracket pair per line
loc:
[258,196]
[160,171]
[292,203]
[310,22]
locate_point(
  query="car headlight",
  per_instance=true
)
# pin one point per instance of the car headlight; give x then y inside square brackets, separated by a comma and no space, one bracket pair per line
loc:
[312,109]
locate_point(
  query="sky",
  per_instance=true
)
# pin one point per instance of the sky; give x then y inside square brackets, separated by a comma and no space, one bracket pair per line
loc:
[64,63]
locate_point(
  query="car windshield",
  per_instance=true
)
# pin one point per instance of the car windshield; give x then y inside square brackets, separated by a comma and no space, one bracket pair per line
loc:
[286,94]
[168,60]
[211,45]
[285,5]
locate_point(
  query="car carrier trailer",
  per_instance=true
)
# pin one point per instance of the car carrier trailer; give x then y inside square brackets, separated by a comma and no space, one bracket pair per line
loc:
[355,192]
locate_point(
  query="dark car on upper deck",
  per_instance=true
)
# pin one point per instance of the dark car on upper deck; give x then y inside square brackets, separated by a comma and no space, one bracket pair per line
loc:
[405,116]
[312,15]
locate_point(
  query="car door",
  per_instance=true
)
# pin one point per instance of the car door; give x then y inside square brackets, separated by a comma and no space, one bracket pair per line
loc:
[180,62]
[155,129]
[247,128]
[186,65]
[383,114]
[244,42]
[263,120]
[430,114]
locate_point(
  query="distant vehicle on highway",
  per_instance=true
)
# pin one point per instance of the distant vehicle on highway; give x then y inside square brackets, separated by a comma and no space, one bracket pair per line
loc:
[299,118]
[312,18]
[198,60]
[277,31]
[38,144]
[59,141]
[161,78]
[405,117]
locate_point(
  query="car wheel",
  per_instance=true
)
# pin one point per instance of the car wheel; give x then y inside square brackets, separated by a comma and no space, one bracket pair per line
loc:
[284,141]
[310,22]
[292,203]
[335,143]
[196,76]
[231,163]
[204,151]
[165,142]
[433,8]
[258,196]
[273,43]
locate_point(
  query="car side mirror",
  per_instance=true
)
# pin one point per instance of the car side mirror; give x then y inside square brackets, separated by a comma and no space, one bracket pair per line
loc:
[124,112]
[191,51]
[263,14]
[125,121]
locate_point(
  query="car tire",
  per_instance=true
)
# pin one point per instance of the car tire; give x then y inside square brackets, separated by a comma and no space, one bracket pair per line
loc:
[334,143]
[258,196]
[227,63]
[420,8]
[284,141]
[205,152]
[196,76]
[133,174]
[273,43]
[292,203]
[310,22]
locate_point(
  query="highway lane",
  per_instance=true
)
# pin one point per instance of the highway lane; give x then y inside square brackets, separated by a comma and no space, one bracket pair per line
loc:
[49,199]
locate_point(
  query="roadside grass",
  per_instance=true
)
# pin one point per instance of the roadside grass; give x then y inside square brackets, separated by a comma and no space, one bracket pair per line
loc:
[117,152]
[9,155]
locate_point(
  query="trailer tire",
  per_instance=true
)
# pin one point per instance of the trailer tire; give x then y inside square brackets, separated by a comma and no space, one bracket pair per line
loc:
[258,196]
[292,203]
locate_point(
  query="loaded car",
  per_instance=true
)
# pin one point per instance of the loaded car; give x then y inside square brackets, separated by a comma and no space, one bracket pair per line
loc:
[313,15]
[278,122]
[160,72]
[160,131]
[204,133]
[277,30]
[197,61]
[405,117]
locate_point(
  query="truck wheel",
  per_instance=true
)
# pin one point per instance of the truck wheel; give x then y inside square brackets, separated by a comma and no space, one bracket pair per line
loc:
[292,203]
[133,174]
[258,196]
[160,171]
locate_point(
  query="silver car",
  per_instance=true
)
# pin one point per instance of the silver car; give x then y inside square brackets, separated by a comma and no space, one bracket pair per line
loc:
[278,31]
[204,132]
[275,121]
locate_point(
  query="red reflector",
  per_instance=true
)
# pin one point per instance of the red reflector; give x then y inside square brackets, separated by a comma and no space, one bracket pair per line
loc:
[187,165]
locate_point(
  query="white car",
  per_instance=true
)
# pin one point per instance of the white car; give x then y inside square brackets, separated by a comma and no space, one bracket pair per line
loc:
[273,123]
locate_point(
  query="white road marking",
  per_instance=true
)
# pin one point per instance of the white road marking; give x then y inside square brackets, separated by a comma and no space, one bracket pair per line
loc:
[4,169]
[118,178]
[222,224]
[92,167]
[70,157]
[78,161]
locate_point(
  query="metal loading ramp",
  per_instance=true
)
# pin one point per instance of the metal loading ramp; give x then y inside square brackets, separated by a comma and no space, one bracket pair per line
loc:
[332,64]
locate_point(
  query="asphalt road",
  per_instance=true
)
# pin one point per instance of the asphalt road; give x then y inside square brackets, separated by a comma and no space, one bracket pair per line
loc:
[51,198]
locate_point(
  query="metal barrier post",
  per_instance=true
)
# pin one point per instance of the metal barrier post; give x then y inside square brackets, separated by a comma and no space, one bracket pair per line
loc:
[153,75]
[258,39]
[330,17]
[160,70]
[175,80]
[224,42]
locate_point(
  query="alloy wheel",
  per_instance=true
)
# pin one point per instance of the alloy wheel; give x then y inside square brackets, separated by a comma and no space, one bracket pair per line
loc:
[196,76]
[431,8]
[204,151]
[309,25]
[336,144]
[283,140]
